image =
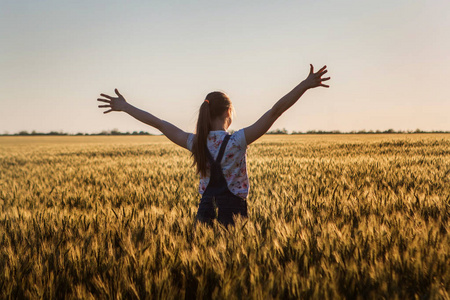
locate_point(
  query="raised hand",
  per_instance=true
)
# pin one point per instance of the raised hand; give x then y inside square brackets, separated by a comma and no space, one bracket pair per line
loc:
[114,103]
[315,79]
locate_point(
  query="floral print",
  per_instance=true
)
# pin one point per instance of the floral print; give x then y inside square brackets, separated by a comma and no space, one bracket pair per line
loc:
[234,162]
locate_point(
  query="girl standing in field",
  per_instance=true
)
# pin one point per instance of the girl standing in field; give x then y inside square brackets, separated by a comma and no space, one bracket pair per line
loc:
[220,158]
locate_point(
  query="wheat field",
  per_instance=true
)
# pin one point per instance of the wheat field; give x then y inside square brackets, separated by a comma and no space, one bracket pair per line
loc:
[330,216]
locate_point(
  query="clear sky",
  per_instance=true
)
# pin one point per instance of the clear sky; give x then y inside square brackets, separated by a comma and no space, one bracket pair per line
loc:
[389,62]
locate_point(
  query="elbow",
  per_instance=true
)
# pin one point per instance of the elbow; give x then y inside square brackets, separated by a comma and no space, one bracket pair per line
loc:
[275,113]
[157,123]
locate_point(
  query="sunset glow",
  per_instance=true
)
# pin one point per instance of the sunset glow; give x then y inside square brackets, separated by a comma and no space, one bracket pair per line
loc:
[389,62]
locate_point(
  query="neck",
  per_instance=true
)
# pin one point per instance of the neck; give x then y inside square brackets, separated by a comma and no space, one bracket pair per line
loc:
[218,124]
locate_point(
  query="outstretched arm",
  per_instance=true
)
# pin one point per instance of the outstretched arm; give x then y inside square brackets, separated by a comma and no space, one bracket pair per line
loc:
[260,127]
[119,103]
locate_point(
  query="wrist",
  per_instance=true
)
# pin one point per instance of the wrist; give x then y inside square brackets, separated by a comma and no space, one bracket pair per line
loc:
[304,85]
[126,107]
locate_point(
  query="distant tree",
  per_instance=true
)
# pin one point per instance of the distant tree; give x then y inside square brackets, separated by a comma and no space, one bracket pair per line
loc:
[56,133]
[115,131]
[278,131]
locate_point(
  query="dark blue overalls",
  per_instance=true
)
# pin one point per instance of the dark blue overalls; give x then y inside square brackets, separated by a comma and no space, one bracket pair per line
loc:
[217,195]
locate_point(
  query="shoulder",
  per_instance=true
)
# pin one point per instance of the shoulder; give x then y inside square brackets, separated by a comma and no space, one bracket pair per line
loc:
[190,141]
[238,138]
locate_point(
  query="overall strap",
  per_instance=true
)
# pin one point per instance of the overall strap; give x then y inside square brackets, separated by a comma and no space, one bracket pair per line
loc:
[222,148]
[221,151]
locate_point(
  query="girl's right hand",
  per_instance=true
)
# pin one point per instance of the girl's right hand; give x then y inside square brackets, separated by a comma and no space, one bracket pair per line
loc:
[114,103]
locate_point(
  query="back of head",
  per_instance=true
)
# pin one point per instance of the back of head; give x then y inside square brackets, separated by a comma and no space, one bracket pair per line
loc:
[214,106]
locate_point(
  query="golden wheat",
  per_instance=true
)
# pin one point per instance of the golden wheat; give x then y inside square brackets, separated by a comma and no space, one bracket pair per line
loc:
[340,216]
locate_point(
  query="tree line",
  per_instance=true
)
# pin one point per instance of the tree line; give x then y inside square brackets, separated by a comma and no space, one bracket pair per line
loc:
[284,131]
[276,131]
[52,133]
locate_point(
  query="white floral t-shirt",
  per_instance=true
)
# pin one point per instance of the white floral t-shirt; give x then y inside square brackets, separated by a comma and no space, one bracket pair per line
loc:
[234,161]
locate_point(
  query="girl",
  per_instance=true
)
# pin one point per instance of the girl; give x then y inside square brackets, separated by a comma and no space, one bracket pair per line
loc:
[220,158]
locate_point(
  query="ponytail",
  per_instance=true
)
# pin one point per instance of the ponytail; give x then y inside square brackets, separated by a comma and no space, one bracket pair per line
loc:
[199,145]
[215,105]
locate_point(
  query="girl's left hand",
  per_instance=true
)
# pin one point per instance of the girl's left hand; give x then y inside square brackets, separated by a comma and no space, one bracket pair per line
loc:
[315,79]
[114,103]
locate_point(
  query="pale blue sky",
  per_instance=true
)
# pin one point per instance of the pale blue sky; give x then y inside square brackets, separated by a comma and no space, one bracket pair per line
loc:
[389,62]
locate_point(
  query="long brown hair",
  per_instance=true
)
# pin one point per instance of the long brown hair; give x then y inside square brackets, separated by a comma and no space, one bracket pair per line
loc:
[214,106]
